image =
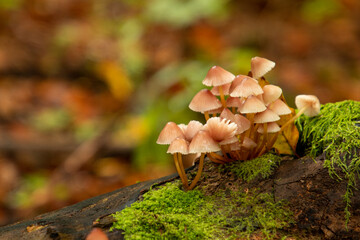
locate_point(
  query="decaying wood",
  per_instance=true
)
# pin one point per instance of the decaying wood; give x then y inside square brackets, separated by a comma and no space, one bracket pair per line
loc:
[315,198]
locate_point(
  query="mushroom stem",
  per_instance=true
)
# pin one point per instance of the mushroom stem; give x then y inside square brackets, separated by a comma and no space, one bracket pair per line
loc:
[263,143]
[273,139]
[222,98]
[250,116]
[180,172]
[233,110]
[206,114]
[198,175]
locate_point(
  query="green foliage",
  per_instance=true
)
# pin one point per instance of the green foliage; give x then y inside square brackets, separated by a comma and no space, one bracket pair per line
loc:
[179,13]
[51,120]
[249,170]
[170,213]
[318,10]
[335,131]
[10,5]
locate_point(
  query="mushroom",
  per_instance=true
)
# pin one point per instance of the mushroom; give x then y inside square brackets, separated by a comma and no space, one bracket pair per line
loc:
[178,147]
[217,77]
[233,103]
[271,93]
[203,102]
[169,133]
[246,88]
[307,104]
[279,107]
[260,66]
[202,143]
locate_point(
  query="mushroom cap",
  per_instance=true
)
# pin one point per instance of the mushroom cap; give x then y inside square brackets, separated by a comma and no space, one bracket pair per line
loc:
[235,146]
[311,103]
[271,128]
[260,66]
[229,141]
[191,129]
[246,88]
[214,111]
[266,116]
[252,105]
[220,129]
[271,93]
[242,123]
[217,76]
[248,143]
[227,114]
[215,90]
[204,101]
[237,80]
[169,133]
[203,143]
[279,107]
[233,102]
[179,145]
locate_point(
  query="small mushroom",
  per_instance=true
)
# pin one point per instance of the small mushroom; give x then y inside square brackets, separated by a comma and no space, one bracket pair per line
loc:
[178,147]
[203,102]
[260,66]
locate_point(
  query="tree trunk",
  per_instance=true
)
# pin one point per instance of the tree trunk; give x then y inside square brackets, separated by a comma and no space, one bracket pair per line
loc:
[315,198]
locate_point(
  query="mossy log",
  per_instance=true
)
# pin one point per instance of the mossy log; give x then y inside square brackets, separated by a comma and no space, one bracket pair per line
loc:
[314,197]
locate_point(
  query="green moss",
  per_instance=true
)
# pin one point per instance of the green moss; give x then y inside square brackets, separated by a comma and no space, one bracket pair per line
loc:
[170,213]
[336,132]
[249,170]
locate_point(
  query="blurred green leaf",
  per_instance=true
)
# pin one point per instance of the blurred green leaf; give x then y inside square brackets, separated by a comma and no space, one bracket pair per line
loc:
[179,13]
[317,10]
[10,4]
[49,120]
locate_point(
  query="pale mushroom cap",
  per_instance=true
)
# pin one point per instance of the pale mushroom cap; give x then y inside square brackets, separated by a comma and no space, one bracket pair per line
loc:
[220,129]
[266,116]
[279,107]
[203,143]
[252,105]
[246,88]
[260,66]
[235,146]
[191,129]
[179,145]
[248,143]
[225,89]
[237,80]
[215,111]
[169,133]
[233,102]
[271,128]
[227,114]
[217,76]
[229,141]
[271,93]
[204,101]
[242,123]
[311,103]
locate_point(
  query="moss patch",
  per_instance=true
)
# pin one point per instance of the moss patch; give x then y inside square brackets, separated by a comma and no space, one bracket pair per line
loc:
[249,170]
[170,213]
[336,132]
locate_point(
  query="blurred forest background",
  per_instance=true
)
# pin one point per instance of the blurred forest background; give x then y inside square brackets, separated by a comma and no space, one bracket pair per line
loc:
[86,86]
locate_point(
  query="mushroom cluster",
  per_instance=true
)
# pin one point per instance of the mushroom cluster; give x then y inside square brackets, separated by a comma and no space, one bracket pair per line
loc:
[242,116]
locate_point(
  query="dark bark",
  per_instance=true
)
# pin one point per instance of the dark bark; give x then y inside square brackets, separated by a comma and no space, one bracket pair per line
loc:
[315,198]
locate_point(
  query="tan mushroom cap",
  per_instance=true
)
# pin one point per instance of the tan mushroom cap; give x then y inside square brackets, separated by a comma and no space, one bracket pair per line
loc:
[279,107]
[217,76]
[242,122]
[266,116]
[179,145]
[237,80]
[169,133]
[248,143]
[191,129]
[271,128]
[220,129]
[215,111]
[235,146]
[246,88]
[225,89]
[233,102]
[203,143]
[260,66]
[204,101]
[310,102]
[252,105]
[271,93]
